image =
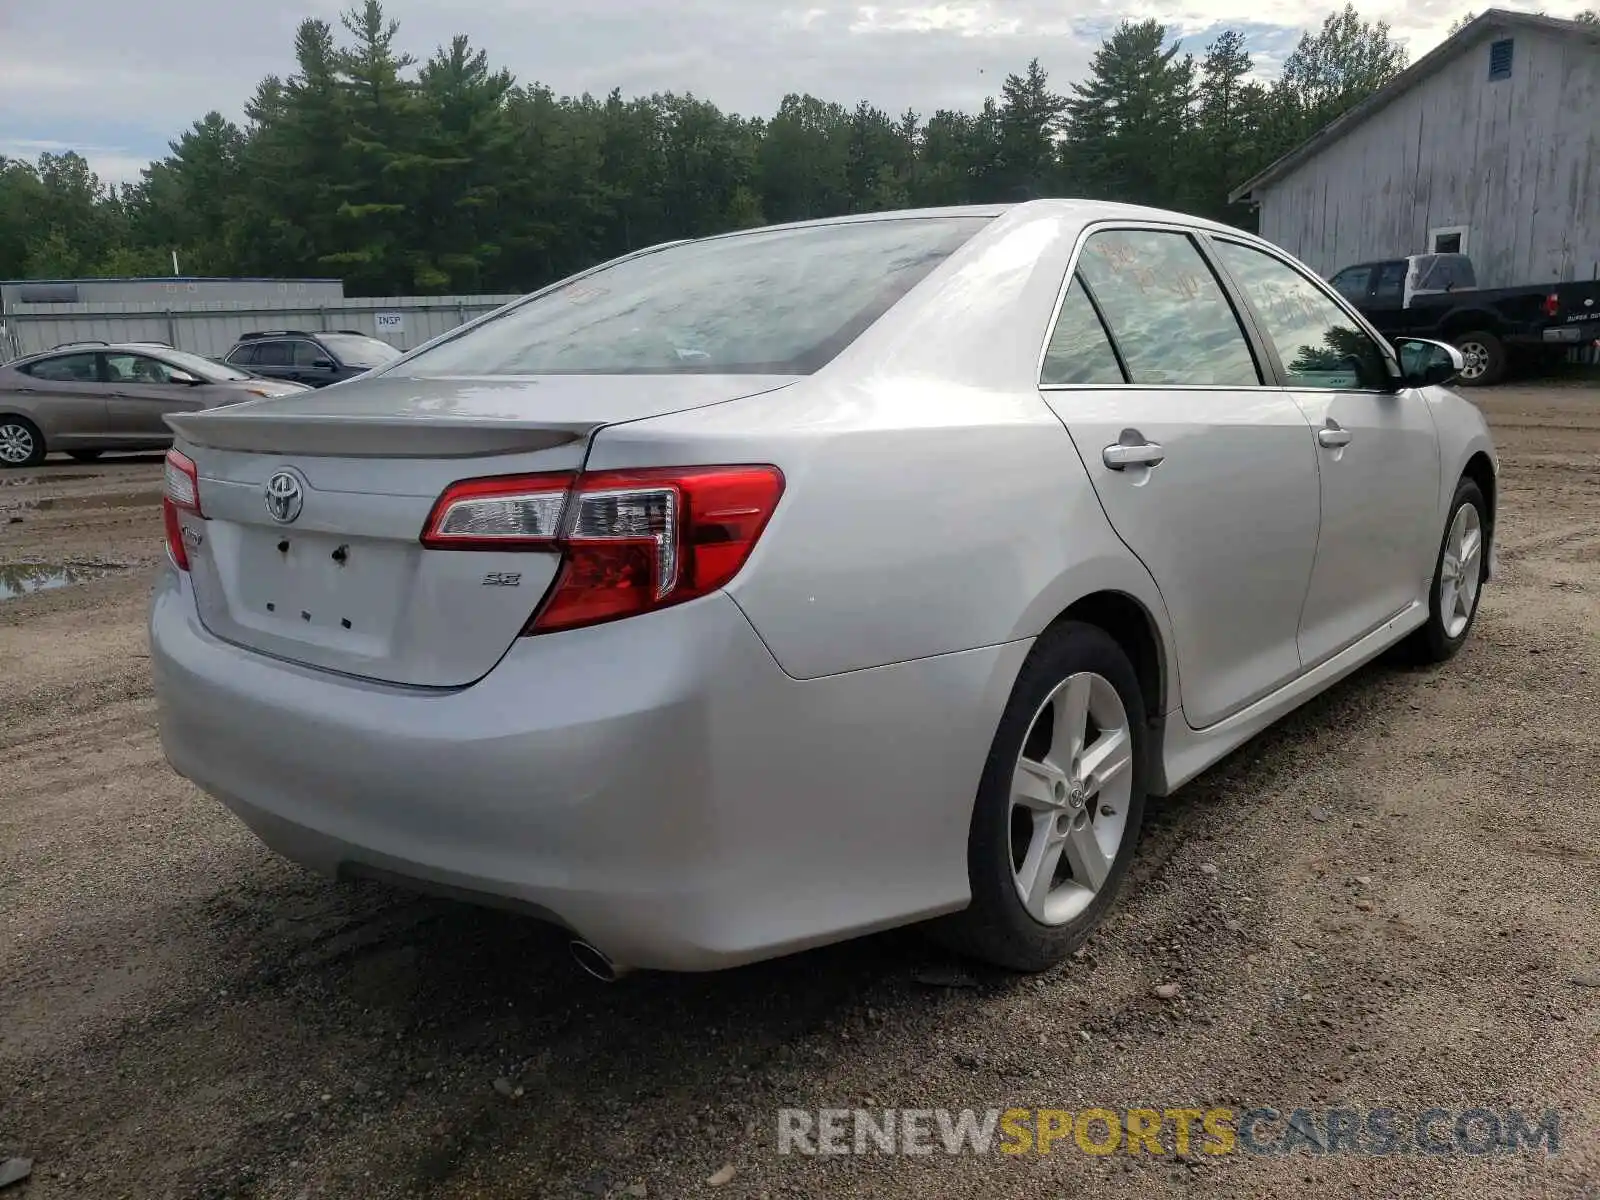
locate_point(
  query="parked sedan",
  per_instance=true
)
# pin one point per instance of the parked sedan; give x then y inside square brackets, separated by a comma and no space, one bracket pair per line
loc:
[760,591]
[88,398]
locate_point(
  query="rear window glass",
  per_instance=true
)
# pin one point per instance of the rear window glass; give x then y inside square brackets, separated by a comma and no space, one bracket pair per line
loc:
[781,301]
[1445,272]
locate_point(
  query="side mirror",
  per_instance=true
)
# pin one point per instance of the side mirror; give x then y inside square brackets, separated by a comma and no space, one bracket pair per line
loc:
[325,364]
[1427,363]
[184,377]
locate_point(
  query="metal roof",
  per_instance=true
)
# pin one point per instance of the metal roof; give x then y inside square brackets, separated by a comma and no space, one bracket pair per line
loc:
[1424,68]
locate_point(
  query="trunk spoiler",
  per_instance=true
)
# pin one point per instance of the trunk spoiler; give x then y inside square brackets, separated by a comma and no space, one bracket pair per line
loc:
[371,436]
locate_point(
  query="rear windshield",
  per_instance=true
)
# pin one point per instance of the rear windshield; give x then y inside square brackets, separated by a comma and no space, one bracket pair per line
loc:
[356,351]
[781,302]
[1445,272]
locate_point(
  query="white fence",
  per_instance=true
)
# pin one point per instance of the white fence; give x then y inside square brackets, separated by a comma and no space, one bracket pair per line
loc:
[211,328]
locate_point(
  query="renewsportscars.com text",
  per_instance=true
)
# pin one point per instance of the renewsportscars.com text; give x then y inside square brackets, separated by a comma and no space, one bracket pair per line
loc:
[1164,1131]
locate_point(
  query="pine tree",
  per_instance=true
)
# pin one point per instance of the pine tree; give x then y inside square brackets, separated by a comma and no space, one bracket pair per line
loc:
[463,138]
[384,163]
[1030,120]
[1219,147]
[1126,125]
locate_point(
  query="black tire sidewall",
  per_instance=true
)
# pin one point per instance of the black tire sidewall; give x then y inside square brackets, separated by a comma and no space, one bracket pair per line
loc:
[1495,368]
[39,449]
[1440,644]
[997,927]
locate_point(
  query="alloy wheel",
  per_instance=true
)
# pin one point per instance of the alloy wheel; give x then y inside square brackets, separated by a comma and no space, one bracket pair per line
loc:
[16,443]
[1070,796]
[1476,355]
[1461,570]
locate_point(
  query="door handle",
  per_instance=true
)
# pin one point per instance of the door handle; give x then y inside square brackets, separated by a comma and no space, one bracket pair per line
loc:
[1333,435]
[1127,453]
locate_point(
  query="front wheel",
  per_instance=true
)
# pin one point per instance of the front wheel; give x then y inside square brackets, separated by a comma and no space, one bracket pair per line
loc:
[1486,359]
[1457,579]
[21,443]
[1060,805]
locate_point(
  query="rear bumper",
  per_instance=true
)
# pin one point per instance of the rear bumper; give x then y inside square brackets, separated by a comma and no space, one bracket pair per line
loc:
[659,785]
[1571,335]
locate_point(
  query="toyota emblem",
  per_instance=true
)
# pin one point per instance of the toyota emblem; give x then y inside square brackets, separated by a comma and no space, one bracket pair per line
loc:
[284,497]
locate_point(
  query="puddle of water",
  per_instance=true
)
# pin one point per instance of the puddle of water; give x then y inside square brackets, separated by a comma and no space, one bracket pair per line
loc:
[19,579]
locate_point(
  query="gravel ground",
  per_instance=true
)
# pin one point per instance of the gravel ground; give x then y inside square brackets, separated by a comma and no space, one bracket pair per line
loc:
[1391,900]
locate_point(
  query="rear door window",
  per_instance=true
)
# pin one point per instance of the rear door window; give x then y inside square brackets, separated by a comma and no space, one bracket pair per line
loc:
[274,354]
[1170,317]
[1079,351]
[65,368]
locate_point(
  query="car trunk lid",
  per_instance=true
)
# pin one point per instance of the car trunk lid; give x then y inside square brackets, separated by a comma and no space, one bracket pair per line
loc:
[314,505]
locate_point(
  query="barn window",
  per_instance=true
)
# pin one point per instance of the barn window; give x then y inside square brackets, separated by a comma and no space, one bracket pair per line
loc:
[1500,59]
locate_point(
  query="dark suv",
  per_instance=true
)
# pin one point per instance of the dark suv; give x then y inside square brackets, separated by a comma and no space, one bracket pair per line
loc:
[314,359]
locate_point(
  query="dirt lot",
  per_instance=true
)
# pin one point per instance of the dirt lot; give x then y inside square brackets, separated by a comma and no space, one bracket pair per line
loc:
[1404,912]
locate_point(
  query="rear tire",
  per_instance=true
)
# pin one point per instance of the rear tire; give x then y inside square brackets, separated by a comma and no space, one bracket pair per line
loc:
[1457,579]
[85,456]
[1060,805]
[21,443]
[1486,358]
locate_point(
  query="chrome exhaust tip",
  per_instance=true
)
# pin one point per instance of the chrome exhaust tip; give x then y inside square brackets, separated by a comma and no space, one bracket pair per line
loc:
[595,961]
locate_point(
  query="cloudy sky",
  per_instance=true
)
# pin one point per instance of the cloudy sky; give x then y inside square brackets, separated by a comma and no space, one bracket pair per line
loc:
[116,80]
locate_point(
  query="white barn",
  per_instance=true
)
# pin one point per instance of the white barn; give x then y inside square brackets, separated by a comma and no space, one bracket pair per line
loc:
[1489,146]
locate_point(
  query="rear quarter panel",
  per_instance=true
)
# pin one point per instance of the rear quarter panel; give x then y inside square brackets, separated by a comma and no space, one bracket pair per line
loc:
[933,502]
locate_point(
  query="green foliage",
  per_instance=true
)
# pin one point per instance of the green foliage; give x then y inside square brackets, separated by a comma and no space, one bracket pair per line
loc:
[447,175]
[1128,124]
[1329,74]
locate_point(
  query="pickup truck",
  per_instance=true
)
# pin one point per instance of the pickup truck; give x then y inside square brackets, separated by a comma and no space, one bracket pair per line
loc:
[1436,296]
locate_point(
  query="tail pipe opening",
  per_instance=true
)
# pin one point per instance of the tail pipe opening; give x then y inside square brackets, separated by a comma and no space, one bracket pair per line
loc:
[596,962]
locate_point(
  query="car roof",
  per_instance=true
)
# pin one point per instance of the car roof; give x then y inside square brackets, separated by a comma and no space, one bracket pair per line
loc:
[1082,209]
[267,335]
[93,347]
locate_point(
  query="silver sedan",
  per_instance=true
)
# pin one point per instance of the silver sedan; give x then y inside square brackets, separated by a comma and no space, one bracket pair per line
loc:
[756,592]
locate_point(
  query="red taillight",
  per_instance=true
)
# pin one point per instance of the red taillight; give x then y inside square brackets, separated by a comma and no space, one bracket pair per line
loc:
[1552,304]
[181,494]
[632,541]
